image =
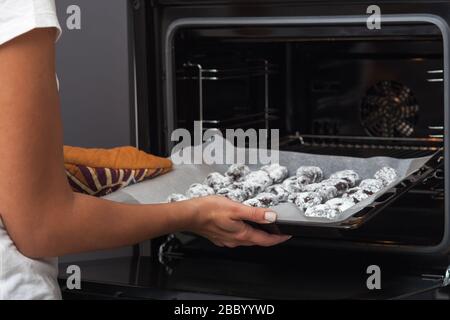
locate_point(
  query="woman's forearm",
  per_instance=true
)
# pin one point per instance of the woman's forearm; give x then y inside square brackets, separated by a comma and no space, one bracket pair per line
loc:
[87,223]
[41,213]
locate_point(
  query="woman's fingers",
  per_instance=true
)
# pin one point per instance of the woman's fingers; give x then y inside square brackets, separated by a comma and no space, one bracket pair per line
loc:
[253,236]
[245,235]
[258,215]
[227,226]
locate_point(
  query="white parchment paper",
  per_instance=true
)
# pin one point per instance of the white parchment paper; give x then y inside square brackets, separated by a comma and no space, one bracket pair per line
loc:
[178,181]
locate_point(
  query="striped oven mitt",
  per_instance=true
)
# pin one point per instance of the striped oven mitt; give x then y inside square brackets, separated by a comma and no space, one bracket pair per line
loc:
[99,172]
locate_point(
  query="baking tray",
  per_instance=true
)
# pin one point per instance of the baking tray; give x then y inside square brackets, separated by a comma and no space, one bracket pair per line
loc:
[411,172]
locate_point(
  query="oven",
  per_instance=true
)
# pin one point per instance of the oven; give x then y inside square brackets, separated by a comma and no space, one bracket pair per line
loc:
[331,85]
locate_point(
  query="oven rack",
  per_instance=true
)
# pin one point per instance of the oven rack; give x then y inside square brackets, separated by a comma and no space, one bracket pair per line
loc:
[241,121]
[372,146]
[392,147]
[251,68]
[196,71]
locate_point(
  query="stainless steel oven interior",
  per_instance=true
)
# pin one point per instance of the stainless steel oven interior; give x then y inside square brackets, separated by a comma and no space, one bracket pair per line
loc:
[331,86]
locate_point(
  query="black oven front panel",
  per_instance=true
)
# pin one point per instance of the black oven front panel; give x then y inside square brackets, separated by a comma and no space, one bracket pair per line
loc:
[315,71]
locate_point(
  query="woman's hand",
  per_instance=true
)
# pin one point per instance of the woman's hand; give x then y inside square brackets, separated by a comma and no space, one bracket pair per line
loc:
[222,222]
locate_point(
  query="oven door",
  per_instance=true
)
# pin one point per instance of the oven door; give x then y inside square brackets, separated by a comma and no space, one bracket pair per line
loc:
[199,270]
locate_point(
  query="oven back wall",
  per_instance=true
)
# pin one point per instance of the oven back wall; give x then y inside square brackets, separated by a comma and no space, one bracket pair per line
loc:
[94,74]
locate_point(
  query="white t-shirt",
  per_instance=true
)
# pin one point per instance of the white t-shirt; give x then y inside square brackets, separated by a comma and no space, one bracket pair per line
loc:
[22,278]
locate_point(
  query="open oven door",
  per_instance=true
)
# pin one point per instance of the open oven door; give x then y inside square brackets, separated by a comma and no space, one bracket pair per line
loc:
[193,268]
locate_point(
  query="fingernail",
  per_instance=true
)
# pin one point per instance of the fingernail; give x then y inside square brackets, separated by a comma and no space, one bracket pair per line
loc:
[270,216]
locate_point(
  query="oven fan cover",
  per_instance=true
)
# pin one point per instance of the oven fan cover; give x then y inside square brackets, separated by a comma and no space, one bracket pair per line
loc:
[389,109]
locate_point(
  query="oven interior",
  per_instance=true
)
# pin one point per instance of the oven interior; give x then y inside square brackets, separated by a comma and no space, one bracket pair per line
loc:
[344,91]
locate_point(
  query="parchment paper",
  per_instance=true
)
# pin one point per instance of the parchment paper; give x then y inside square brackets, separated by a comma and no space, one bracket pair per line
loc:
[178,181]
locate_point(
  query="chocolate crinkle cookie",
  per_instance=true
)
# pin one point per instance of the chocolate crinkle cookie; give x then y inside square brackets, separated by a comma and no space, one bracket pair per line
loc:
[304,200]
[278,191]
[313,187]
[235,194]
[341,185]
[249,188]
[237,171]
[309,174]
[322,211]
[199,190]
[276,172]
[259,178]
[327,192]
[175,197]
[291,185]
[349,175]
[217,181]
[357,194]
[292,197]
[371,185]
[386,174]
[341,204]
[267,199]
[253,203]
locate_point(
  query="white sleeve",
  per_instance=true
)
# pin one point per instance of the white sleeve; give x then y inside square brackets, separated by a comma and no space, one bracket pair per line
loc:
[20,16]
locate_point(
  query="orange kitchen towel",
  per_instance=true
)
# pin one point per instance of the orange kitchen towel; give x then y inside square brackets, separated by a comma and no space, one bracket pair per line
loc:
[101,171]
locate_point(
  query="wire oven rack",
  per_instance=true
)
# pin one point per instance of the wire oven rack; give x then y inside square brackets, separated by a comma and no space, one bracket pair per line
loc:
[362,146]
[253,68]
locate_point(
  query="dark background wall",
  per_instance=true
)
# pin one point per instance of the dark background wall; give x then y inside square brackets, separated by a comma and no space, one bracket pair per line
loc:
[93,66]
[93,69]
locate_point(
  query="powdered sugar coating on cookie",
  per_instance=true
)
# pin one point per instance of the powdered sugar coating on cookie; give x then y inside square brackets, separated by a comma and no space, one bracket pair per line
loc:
[279,191]
[253,203]
[237,171]
[175,197]
[327,192]
[260,179]
[341,204]
[237,195]
[250,188]
[386,174]
[357,194]
[276,172]
[309,174]
[217,181]
[322,211]
[371,185]
[313,187]
[304,200]
[349,175]
[291,185]
[197,190]
[341,185]
[267,199]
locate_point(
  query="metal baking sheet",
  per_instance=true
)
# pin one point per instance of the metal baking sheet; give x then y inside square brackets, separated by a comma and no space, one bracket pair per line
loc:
[178,181]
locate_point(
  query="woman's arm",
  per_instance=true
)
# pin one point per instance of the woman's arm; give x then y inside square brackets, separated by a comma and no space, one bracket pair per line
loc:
[42,214]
